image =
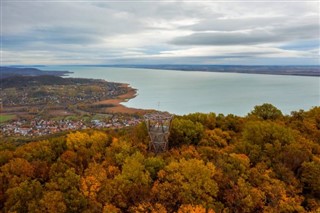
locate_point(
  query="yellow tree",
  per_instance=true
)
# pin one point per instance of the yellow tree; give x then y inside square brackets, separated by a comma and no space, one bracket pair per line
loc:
[148,207]
[186,182]
[52,202]
[133,184]
[77,140]
[194,209]
[17,170]
[109,208]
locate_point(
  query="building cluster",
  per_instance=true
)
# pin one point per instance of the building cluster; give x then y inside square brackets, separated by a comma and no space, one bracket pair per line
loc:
[40,127]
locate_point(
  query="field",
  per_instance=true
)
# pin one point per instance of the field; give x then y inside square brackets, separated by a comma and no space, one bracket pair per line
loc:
[4,118]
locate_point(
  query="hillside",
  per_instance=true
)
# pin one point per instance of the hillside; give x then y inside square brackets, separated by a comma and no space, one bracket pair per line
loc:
[264,162]
[6,72]
[41,80]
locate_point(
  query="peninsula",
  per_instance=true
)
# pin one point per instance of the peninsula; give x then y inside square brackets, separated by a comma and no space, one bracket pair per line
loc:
[38,105]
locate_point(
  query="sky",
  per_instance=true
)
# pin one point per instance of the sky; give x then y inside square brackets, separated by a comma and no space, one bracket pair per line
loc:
[53,32]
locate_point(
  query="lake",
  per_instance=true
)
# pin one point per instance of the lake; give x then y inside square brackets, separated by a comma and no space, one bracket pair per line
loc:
[182,92]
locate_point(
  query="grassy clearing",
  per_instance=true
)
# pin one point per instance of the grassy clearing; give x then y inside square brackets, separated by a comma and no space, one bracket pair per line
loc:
[4,118]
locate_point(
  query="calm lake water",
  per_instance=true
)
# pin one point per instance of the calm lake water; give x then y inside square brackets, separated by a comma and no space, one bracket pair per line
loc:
[183,92]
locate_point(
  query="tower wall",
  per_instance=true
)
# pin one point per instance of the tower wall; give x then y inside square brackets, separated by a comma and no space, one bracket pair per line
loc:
[158,125]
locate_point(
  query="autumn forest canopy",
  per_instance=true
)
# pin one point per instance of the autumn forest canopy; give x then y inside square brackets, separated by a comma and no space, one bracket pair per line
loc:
[263,162]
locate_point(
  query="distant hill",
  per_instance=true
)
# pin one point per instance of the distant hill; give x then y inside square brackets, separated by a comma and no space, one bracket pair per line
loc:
[6,72]
[25,81]
[271,70]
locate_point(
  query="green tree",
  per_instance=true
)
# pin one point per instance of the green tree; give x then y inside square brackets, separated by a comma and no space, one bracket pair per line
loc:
[65,179]
[185,132]
[266,112]
[207,120]
[264,140]
[230,122]
[310,177]
[24,197]
[118,151]
[153,165]
[133,184]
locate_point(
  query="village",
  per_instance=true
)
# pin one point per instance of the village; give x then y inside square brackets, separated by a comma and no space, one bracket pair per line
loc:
[41,127]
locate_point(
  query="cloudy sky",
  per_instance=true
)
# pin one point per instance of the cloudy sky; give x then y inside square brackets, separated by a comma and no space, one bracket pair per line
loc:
[157,32]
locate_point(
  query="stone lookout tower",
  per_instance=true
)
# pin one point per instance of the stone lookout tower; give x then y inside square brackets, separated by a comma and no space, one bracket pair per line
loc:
[158,124]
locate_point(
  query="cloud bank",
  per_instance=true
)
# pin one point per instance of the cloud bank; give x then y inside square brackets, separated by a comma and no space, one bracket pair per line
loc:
[177,32]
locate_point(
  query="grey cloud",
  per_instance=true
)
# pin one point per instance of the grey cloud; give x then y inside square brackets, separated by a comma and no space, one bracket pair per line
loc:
[41,38]
[23,17]
[234,24]
[160,9]
[69,29]
[283,34]
[222,38]
[306,31]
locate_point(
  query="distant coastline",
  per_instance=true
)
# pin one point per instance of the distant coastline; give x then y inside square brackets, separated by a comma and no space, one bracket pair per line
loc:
[295,70]
[301,70]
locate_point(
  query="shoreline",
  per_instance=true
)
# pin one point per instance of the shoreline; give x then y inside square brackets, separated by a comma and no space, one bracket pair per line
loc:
[290,70]
[117,107]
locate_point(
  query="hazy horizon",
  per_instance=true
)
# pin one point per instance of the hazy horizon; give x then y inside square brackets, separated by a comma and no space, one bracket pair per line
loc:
[256,65]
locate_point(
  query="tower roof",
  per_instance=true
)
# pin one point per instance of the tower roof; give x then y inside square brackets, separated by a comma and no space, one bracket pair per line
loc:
[158,116]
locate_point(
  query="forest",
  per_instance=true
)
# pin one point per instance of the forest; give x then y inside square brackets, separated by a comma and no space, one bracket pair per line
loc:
[262,162]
